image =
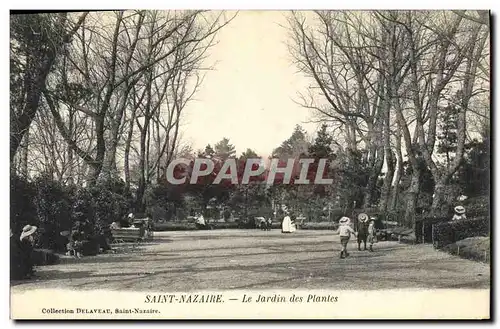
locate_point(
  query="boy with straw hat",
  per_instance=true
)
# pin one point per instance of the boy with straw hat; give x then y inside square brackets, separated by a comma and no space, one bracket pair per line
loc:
[345,231]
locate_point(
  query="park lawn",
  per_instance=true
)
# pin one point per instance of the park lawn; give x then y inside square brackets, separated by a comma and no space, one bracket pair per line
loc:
[475,248]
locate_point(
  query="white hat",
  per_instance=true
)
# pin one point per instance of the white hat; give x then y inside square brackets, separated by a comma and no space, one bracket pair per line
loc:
[344,220]
[65,233]
[27,231]
[459,210]
[363,217]
[131,215]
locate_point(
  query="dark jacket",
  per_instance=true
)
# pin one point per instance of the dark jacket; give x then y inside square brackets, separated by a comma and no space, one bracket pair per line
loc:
[362,229]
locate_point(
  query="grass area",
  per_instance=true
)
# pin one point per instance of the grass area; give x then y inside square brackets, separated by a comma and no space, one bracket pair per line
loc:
[190,226]
[476,248]
[319,226]
[174,226]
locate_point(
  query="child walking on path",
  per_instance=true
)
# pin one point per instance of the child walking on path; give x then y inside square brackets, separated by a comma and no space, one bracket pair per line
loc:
[345,231]
[372,233]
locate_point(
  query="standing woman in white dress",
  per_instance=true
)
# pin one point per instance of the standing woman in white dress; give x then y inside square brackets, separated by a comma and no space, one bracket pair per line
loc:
[287,226]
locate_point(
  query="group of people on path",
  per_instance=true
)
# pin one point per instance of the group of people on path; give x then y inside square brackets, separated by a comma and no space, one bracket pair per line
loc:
[366,233]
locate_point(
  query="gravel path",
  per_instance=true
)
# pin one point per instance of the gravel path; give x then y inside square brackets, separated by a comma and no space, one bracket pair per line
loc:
[254,259]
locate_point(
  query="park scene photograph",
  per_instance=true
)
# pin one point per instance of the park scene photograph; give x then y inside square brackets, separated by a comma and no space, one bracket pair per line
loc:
[183,151]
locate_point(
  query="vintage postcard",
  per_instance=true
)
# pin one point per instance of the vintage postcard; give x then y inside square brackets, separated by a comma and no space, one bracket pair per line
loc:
[208,164]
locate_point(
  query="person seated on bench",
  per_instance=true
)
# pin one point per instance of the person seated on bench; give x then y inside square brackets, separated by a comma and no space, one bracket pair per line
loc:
[75,244]
[115,225]
[262,223]
[26,245]
[459,213]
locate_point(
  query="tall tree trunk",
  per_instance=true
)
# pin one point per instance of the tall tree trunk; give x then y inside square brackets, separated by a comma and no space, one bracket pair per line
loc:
[372,179]
[399,173]
[24,154]
[412,198]
[389,157]
[38,66]
[36,77]
[69,150]
[142,171]
[127,151]
[442,179]
[389,176]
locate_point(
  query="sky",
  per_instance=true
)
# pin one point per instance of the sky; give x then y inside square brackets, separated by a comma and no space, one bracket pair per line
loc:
[248,98]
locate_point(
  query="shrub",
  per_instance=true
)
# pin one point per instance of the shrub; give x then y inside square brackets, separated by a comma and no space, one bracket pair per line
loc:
[109,207]
[449,232]
[22,208]
[174,226]
[478,206]
[319,226]
[83,212]
[53,210]
[224,225]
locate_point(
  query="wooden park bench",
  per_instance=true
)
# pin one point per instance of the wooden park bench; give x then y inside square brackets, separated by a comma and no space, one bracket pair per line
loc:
[400,232]
[123,235]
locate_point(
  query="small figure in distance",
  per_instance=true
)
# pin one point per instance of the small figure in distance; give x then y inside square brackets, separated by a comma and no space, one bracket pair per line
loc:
[459,213]
[372,233]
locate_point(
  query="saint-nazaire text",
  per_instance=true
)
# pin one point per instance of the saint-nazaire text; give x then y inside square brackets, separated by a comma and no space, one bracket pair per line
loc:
[191,298]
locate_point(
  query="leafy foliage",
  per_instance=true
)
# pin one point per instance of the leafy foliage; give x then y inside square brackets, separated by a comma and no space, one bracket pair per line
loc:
[53,209]
[449,232]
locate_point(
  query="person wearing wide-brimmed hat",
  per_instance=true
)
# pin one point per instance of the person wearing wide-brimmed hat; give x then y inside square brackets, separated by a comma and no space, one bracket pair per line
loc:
[27,242]
[362,229]
[459,213]
[345,231]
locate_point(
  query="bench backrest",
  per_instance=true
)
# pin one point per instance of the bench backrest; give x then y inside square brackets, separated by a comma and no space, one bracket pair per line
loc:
[126,233]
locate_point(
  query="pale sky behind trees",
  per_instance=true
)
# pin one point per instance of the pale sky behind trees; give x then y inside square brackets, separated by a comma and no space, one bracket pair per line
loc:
[248,97]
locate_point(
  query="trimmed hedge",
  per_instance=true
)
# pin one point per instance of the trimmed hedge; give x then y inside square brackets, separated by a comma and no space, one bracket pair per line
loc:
[478,206]
[450,232]
[190,226]
[225,225]
[477,248]
[174,226]
[319,226]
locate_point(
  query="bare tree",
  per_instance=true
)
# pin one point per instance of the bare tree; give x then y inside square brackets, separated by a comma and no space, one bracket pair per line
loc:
[112,54]
[340,61]
[36,41]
